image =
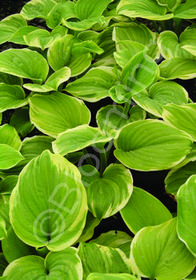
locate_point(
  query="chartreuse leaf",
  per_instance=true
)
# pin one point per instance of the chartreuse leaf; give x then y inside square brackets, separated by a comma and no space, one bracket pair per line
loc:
[115,239]
[136,113]
[4,209]
[88,232]
[78,138]
[53,82]
[9,136]
[24,63]
[61,54]
[18,38]
[148,9]
[186,10]
[183,117]
[171,4]
[3,231]
[9,156]
[111,276]
[171,46]
[10,25]
[151,145]
[54,113]
[186,213]
[37,9]
[94,85]
[21,122]
[8,183]
[13,248]
[192,276]
[136,34]
[102,259]
[113,188]
[188,40]
[157,253]
[135,215]
[11,97]
[160,94]
[177,67]
[64,265]
[177,177]
[39,38]
[3,264]
[55,184]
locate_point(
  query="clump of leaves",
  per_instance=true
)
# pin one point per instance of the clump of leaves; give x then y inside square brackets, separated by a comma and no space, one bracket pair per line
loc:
[62,173]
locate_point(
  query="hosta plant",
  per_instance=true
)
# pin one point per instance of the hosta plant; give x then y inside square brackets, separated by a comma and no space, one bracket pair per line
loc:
[90,93]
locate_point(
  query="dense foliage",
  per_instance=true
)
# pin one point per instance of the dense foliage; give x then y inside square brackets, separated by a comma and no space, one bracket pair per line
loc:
[61,175]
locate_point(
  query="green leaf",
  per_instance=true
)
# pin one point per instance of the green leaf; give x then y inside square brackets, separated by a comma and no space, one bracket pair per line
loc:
[8,183]
[37,9]
[115,239]
[9,157]
[91,224]
[39,38]
[61,54]
[188,40]
[11,97]
[102,259]
[160,94]
[178,68]
[171,46]
[107,193]
[78,138]
[13,248]
[182,117]
[186,10]
[3,231]
[136,113]
[61,265]
[24,63]
[21,122]
[85,24]
[90,8]
[94,85]
[4,209]
[110,276]
[192,276]
[151,145]
[177,177]
[9,136]
[135,215]
[148,9]
[54,113]
[186,213]
[158,254]
[10,25]
[170,4]
[55,185]
[3,264]
[18,38]
[10,79]
[53,82]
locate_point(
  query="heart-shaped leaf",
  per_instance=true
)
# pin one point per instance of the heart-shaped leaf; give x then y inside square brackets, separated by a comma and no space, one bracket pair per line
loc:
[151,145]
[78,138]
[64,265]
[37,9]
[9,157]
[109,193]
[155,249]
[135,215]
[24,63]
[186,213]
[160,94]
[102,259]
[54,113]
[11,97]
[183,117]
[94,85]
[55,185]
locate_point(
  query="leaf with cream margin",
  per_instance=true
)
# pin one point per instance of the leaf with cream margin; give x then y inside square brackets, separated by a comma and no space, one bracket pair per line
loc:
[160,94]
[102,259]
[188,40]
[9,136]
[24,63]
[55,184]
[78,138]
[182,117]
[148,145]
[94,85]
[135,215]
[111,276]
[113,188]
[178,68]
[148,9]
[186,10]
[37,9]
[53,82]
[186,213]
[64,265]
[157,253]
[57,112]
[11,97]
[3,231]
